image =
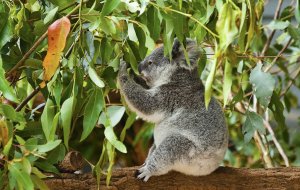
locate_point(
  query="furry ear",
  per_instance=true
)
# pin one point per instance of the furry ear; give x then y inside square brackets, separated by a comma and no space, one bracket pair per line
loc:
[192,50]
[176,48]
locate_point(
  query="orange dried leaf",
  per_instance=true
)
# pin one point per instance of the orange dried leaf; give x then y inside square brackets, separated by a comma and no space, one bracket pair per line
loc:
[57,35]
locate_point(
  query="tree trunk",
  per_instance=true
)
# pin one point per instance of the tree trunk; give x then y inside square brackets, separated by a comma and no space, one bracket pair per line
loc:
[222,178]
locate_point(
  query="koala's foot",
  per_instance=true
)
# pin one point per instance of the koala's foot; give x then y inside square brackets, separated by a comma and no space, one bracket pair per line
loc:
[143,173]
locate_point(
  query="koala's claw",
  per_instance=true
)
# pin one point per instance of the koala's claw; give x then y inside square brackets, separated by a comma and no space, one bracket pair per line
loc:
[143,173]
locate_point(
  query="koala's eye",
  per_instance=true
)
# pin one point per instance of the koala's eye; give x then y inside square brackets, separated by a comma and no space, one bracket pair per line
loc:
[150,62]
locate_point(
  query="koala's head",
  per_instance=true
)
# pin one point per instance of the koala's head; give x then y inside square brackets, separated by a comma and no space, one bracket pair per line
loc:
[156,69]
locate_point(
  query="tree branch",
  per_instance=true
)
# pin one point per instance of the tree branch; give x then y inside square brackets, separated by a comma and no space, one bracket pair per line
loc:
[274,139]
[268,42]
[27,99]
[222,178]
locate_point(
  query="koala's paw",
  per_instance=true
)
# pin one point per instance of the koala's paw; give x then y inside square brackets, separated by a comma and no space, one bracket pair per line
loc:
[143,173]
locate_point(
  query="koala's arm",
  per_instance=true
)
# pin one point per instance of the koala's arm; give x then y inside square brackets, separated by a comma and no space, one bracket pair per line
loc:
[137,95]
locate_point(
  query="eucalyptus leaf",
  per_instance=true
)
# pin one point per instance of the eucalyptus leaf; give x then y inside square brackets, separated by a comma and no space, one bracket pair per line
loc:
[263,84]
[253,122]
[95,78]
[66,118]
[92,111]
[112,116]
[48,146]
[111,137]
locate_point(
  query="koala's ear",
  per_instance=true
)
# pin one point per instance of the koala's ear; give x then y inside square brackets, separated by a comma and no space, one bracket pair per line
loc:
[176,49]
[192,49]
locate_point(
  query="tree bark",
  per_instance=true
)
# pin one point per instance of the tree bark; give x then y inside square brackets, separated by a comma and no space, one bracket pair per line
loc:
[222,178]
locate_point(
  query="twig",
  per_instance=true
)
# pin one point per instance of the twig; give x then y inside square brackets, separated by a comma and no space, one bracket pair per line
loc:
[297,72]
[28,98]
[35,45]
[279,55]
[274,139]
[259,142]
[268,42]
[27,54]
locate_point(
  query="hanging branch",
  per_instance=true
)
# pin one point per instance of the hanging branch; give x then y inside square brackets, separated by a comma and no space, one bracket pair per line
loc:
[274,139]
[268,42]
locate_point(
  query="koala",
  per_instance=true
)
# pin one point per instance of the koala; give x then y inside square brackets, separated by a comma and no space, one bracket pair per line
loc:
[188,138]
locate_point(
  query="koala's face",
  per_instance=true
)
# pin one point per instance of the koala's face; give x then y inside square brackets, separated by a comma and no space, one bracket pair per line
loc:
[156,69]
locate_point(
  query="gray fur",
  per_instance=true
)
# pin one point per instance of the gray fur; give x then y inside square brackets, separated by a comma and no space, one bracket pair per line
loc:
[187,137]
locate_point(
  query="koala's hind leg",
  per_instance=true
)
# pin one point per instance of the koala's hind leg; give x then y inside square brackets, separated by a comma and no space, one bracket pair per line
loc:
[163,158]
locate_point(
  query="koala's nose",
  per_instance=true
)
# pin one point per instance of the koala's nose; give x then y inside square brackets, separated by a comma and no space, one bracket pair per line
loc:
[140,67]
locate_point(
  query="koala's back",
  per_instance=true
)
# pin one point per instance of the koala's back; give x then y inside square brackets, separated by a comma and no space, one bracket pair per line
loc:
[189,117]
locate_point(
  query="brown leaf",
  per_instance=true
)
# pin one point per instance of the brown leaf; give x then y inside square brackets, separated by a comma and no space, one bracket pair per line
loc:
[57,35]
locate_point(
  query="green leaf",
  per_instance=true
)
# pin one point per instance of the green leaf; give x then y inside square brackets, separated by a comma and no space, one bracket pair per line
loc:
[50,15]
[277,108]
[56,155]
[111,137]
[47,118]
[31,144]
[6,34]
[227,81]
[66,118]
[112,116]
[107,26]
[8,111]
[278,25]
[54,126]
[297,11]
[23,178]
[226,25]
[34,63]
[109,6]
[38,173]
[209,82]
[26,165]
[253,122]
[91,112]
[179,25]
[153,23]
[263,84]
[243,28]
[46,166]
[131,33]
[48,146]
[7,147]
[129,122]
[5,87]
[39,183]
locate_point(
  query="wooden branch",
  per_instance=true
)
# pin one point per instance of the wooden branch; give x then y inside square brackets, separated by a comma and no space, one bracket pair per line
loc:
[28,98]
[222,178]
